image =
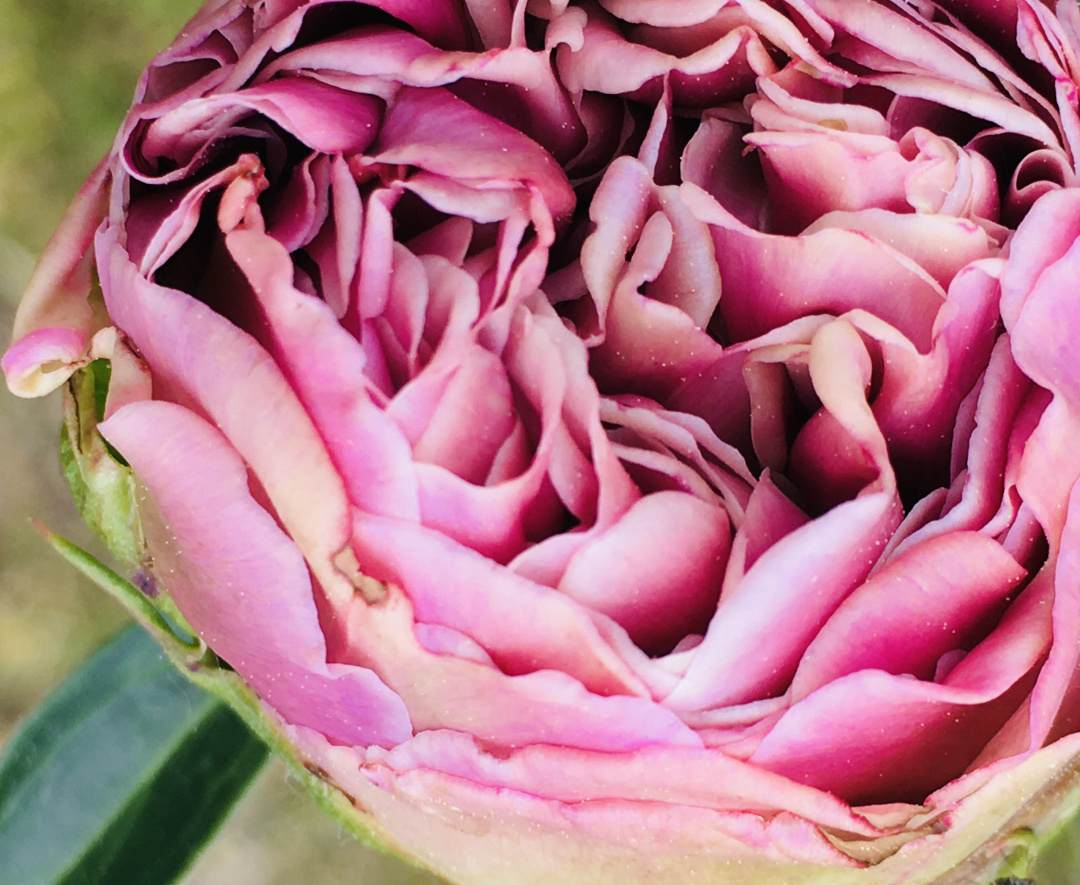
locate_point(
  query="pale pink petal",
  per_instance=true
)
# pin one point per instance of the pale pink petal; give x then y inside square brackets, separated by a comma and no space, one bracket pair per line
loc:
[939,244]
[55,303]
[524,626]
[676,775]
[42,360]
[461,695]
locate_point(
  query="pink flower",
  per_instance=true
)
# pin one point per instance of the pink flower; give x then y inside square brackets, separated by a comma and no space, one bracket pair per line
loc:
[615,440]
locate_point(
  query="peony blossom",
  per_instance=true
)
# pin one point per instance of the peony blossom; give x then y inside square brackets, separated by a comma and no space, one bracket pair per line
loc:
[620,441]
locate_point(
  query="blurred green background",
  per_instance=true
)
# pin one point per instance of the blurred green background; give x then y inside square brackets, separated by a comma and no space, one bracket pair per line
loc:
[67,71]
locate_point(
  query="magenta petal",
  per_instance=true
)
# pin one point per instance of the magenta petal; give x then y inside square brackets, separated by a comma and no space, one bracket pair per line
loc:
[652,320]
[468,146]
[239,579]
[513,84]
[591,832]
[323,117]
[157,229]
[991,106]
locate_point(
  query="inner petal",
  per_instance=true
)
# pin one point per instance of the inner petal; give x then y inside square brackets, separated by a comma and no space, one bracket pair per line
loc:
[658,571]
[472,419]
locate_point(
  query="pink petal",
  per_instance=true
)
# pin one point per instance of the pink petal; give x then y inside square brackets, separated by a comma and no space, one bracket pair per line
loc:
[462,695]
[523,626]
[201,360]
[54,303]
[770,516]
[468,146]
[657,571]
[239,579]
[472,420]
[772,280]
[374,459]
[872,735]
[1055,700]
[754,643]
[798,168]
[986,453]
[935,597]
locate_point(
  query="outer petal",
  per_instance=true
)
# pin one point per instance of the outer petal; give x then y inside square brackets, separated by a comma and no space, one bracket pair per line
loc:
[448,823]
[185,344]
[55,321]
[240,581]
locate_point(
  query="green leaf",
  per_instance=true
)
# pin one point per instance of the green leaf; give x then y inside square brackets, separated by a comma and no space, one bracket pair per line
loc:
[123,775]
[196,662]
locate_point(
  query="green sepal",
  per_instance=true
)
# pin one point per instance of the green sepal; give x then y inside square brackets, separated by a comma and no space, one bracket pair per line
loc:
[101,483]
[106,494]
[174,635]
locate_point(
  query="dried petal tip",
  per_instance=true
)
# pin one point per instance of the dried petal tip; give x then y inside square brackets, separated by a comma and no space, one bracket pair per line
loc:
[39,363]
